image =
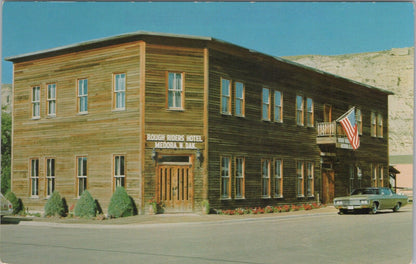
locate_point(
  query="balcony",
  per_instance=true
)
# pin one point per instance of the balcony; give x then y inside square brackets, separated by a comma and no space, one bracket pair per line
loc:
[332,134]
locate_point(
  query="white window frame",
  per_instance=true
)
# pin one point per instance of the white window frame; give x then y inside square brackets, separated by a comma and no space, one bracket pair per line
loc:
[119,167]
[225,97]
[82,93]
[50,176]
[265,104]
[373,124]
[278,107]
[51,99]
[379,125]
[36,102]
[119,91]
[34,177]
[175,90]
[239,99]
[81,178]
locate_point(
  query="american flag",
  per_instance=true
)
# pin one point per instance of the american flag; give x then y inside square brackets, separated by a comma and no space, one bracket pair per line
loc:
[350,127]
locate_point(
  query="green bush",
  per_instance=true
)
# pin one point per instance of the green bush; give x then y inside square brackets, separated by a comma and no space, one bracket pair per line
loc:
[86,206]
[55,205]
[17,203]
[120,204]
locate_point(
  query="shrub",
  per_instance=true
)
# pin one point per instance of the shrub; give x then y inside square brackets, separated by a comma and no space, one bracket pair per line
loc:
[55,205]
[17,203]
[120,204]
[86,206]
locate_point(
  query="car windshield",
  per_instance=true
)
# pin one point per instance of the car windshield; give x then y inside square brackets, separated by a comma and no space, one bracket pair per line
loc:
[365,191]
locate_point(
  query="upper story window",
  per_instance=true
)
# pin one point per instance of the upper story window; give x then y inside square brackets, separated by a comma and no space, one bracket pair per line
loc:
[373,124]
[265,104]
[36,102]
[278,106]
[225,96]
[299,110]
[51,98]
[82,95]
[175,91]
[119,97]
[309,112]
[379,125]
[359,120]
[239,99]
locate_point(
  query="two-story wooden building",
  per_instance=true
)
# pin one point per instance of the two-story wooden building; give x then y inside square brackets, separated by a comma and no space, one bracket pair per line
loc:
[184,119]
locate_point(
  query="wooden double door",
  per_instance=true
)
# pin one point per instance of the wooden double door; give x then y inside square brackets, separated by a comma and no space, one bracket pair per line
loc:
[175,187]
[328,186]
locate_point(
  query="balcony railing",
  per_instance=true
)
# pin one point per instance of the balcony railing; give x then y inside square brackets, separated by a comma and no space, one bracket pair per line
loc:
[332,133]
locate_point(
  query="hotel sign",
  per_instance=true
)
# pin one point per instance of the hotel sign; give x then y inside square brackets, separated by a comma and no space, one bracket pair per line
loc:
[174,141]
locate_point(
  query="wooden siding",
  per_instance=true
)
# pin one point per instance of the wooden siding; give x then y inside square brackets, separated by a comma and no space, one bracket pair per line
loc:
[98,135]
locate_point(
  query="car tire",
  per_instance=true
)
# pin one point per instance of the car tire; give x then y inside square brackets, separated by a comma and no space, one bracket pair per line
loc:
[396,207]
[374,208]
[341,211]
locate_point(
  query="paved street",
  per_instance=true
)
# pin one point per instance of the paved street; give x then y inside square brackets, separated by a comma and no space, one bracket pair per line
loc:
[310,238]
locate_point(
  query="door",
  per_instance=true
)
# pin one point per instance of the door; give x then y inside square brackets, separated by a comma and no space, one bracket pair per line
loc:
[327,113]
[328,186]
[175,187]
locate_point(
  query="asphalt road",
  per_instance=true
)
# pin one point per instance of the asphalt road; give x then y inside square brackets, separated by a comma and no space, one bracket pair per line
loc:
[316,238]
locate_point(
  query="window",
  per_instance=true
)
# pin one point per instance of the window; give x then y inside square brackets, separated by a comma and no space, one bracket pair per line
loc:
[83,95]
[36,102]
[351,173]
[359,120]
[225,177]
[379,126]
[265,178]
[51,99]
[119,96]
[82,174]
[119,172]
[300,179]
[373,124]
[34,177]
[239,177]
[310,173]
[278,107]
[225,96]
[278,178]
[239,99]
[374,176]
[309,112]
[299,110]
[50,176]
[175,91]
[380,175]
[266,104]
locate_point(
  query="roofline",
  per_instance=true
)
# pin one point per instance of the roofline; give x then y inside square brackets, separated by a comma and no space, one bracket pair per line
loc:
[126,36]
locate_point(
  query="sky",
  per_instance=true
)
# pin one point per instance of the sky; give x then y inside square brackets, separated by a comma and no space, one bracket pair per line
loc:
[274,28]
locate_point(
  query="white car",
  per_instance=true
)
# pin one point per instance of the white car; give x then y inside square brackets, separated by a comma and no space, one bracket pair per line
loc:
[5,206]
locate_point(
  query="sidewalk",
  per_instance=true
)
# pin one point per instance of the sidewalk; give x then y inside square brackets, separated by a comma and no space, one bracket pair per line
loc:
[161,219]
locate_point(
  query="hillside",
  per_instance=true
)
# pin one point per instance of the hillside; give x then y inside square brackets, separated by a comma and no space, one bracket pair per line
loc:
[390,70]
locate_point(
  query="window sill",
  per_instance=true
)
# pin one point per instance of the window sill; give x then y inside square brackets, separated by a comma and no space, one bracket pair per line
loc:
[51,116]
[225,199]
[82,113]
[279,197]
[226,114]
[175,110]
[266,197]
[240,198]
[300,196]
[118,110]
[34,197]
[36,118]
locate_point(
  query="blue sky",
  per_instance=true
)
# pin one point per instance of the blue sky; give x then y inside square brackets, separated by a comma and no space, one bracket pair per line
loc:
[275,28]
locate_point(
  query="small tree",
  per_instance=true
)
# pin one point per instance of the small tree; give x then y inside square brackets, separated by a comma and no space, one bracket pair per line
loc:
[6,149]
[55,205]
[120,204]
[17,203]
[86,206]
